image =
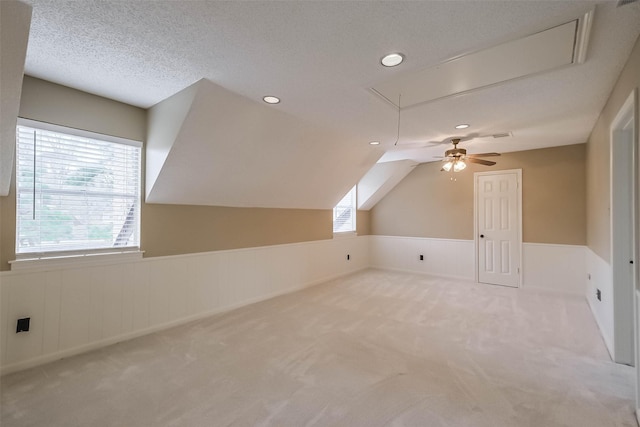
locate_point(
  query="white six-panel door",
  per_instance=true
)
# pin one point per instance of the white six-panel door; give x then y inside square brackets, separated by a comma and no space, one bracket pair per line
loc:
[498,220]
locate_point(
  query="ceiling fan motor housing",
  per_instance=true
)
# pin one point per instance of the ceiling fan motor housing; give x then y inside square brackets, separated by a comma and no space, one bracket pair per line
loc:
[455,152]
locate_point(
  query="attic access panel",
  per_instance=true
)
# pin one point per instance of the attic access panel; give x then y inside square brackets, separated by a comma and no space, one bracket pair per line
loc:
[544,51]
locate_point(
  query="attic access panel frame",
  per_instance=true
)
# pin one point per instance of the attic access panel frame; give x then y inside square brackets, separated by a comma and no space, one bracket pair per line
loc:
[547,50]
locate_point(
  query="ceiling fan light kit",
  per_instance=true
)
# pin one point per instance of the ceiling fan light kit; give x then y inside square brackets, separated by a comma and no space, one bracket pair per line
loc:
[459,165]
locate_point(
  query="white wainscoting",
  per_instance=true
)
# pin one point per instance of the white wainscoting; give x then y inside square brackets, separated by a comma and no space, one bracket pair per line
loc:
[442,257]
[601,278]
[77,308]
[559,268]
[637,371]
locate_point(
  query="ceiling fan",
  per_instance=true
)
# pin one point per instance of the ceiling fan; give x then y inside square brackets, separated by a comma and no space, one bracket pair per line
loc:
[456,159]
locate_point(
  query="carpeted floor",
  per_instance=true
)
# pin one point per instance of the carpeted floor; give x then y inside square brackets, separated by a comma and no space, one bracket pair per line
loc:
[372,349]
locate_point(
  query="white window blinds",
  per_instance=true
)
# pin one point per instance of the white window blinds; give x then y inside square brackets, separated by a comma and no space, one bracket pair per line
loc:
[344,214]
[75,194]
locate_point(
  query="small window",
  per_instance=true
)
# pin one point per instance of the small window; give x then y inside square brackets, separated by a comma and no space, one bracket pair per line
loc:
[344,214]
[77,192]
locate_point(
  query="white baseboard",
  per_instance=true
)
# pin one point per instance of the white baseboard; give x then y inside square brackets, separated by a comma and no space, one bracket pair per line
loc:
[423,273]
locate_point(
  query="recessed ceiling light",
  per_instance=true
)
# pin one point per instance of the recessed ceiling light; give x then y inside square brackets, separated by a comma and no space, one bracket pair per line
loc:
[374,143]
[462,126]
[271,99]
[392,59]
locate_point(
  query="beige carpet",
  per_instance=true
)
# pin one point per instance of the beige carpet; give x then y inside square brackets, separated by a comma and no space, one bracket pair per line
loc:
[371,349]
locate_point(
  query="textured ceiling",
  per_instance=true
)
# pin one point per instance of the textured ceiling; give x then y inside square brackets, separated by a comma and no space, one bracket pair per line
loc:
[320,58]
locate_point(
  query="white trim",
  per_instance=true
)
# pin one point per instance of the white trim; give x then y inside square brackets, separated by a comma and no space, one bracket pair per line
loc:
[77,132]
[476,175]
[425,273]
[624,351]
[565,245]
[72,262]
[582,37]
[80,260]
[344,234]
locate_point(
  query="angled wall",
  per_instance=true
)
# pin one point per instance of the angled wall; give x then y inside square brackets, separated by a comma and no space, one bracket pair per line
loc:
[209,146]
[381,179]
[15,21]
[164,121]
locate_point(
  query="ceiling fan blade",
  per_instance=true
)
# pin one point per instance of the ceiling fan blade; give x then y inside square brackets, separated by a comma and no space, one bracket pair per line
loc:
[480,161]
[483,155]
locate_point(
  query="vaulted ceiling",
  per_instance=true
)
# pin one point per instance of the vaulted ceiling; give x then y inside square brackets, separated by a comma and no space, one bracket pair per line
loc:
[322,59]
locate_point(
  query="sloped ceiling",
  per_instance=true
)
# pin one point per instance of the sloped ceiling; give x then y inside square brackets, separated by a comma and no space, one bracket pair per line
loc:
[381,179]
[320,58]
[15,19]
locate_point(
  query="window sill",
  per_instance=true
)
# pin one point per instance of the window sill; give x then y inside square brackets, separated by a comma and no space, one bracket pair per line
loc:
[84,260]
[345,234]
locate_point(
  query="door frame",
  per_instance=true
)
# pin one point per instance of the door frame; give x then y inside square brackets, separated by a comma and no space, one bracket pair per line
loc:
[476,240]
[623,292]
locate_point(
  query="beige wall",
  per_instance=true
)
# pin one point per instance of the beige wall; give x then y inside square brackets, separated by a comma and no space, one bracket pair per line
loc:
[598,173]
[180,229]
[363,223]
[60,105]
[7,227]
[428,204]
[166,229]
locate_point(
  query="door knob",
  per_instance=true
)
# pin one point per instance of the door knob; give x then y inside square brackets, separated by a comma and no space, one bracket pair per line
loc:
[482,236]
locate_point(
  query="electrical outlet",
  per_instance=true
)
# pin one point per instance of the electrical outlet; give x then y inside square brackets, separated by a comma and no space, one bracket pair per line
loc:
[421,257]
[598,294]
[348,257]
[588,276]
[23,325]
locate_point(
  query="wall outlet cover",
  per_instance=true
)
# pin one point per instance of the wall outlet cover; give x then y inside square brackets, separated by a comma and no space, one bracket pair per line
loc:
[23,325]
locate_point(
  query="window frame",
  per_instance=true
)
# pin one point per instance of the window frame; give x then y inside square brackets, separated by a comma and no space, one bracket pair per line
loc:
[27,258]
[354,209]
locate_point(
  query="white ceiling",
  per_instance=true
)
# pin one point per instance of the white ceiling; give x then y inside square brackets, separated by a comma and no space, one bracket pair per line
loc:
[321,58]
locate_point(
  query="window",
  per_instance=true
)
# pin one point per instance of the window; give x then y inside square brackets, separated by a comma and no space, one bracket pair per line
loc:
[344,214]
[77,192]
